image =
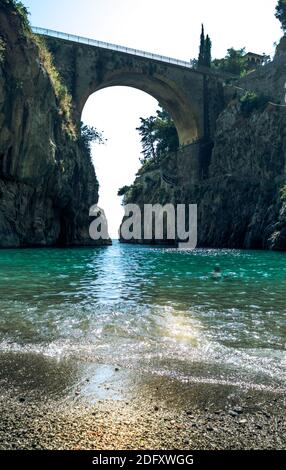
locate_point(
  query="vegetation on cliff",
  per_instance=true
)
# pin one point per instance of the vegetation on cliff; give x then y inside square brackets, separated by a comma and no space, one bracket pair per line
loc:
[47,183]
[234,62]
[252,101]
[2,50]
[283,193]
[88,136]
[21,11]
[158,136]
[60,89]
[242,199]
[281,14]
[205,56]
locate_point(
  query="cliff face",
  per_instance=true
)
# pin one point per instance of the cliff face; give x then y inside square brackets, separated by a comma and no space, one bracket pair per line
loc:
[241,202]
[47,181]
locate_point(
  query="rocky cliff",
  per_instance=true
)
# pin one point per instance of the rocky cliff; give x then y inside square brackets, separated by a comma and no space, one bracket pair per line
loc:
[242,198]
[47,180]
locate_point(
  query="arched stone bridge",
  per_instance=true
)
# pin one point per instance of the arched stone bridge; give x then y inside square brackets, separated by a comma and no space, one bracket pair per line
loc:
[87,66]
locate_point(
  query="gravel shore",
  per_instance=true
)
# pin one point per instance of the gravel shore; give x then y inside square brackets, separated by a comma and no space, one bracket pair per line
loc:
[109,425]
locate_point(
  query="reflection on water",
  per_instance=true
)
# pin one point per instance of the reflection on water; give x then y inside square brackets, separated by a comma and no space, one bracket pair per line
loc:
[154,310]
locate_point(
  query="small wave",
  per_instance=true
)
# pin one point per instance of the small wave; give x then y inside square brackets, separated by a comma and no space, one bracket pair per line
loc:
[172,340]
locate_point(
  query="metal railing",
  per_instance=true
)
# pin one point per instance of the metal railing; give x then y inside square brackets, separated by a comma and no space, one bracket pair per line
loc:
[113,47]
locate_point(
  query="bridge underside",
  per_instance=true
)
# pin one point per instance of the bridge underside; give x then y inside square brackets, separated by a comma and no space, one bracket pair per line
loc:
[185,122]
[87,69]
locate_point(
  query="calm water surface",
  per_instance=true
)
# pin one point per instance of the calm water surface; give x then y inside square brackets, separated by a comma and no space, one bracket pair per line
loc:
[142,309]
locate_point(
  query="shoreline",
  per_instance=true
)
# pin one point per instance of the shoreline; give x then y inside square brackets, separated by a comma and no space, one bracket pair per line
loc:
[249,420]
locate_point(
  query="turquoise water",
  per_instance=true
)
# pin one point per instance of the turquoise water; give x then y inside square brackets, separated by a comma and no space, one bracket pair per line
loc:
[147,309]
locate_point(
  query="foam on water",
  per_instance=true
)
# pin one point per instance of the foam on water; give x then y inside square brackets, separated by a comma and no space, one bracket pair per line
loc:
[154,310]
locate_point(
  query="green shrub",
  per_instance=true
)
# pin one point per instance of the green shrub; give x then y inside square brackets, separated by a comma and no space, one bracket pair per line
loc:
[132,193]
[23,14]
[123,191]
[89,135]
[234,62]
[2,50]
[136,191]
[21,11]
[251,102]
[147,166]
[61,91]
[283,193]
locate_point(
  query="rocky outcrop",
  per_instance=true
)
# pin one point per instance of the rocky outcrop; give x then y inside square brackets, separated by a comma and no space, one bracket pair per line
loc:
[241,200]
[47,180]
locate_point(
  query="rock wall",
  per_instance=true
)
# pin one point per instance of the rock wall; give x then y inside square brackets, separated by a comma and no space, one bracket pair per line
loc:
[241,202]
[47,181]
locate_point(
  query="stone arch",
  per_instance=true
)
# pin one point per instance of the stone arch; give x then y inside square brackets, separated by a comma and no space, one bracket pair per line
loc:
[87,69]
[174,101]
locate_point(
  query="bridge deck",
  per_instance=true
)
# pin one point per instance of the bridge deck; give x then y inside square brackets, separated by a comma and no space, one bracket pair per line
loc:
[113,47]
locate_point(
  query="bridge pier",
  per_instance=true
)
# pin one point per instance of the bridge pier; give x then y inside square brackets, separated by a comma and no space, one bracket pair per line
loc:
[193,162]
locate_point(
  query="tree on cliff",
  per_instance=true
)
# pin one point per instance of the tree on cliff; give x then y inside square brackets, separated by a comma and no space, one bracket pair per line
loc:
[208,52]
[166,135]
[147,132]
[202,47]
[88,136]
[281,14]
[158,136]
[205,50]
[234,62]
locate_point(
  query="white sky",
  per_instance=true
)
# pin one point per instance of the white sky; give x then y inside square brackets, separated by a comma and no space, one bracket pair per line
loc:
[166,27]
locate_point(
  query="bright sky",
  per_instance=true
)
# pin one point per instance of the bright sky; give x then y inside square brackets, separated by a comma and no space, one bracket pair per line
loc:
[166,27]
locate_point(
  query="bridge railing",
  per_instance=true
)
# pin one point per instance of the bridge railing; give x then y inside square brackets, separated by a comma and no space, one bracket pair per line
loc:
[113,47]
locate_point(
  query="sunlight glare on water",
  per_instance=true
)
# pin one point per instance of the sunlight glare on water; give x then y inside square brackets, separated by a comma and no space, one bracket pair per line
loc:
[151,309]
